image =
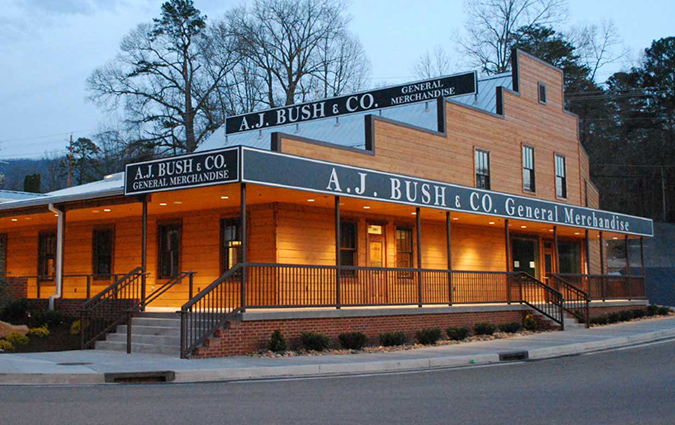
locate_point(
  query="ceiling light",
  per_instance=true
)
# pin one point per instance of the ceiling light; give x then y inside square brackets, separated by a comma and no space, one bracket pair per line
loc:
[224,197]
[576,233]
[177,202]
[15,219]
[162,204]
[106,209]
[550,230]
[310,200]
[455,218]
[413,213]
[492,222]
[28,218]
[96,211]
[523,227]
[615,238]
[366,207]
[56,215]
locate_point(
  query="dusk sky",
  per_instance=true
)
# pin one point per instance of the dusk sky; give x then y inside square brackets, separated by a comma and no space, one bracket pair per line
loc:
[49,47]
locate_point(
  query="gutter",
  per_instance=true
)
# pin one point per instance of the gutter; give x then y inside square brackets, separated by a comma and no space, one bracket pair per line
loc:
[60,232]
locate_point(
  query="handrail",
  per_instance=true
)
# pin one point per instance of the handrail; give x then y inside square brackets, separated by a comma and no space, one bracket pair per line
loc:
[575,301]
[206,312]
[608,286]
[540,297]
[42,279]
[109,307]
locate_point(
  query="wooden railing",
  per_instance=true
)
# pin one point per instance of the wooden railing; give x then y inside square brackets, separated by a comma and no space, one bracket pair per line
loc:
[575,301]
[608,287]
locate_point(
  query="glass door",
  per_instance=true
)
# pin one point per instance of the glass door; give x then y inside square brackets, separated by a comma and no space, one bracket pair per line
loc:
[525,255]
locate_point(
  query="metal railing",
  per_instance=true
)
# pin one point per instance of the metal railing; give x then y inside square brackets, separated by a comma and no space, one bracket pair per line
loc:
[109,308]
[539,296]
[209,310]
[608,287]
[575,301]
[50,281]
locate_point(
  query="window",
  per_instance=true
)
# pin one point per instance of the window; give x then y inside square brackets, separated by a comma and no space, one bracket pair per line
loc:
[46,256]
[404,248]
[528,169]
[560,177]
[102,252]
[348,237]
[542,92]
[482,169]
[230,243]
[169,250]
[570,257]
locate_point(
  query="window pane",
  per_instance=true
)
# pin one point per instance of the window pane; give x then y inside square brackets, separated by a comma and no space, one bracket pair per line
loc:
[570,257]
[102,252]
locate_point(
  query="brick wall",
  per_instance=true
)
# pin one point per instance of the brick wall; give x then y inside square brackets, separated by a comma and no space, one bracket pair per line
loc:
[17,287]
[67,307]
[243,337]
[599,311]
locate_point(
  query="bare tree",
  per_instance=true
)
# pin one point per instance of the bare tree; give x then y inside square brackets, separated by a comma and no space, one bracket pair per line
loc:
[165,75]
[598,45]
[301,48]
[433,63]
[492,24]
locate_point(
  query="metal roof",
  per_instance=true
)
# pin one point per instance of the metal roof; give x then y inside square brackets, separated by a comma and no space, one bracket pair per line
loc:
[13,195]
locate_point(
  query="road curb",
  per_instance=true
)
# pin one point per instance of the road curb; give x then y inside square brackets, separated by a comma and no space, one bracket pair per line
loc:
[333,369]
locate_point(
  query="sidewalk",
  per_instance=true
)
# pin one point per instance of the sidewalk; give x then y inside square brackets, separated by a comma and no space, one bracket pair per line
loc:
[94,366]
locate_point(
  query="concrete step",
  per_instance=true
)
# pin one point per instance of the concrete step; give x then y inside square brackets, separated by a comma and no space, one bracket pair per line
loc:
[138,348]
[149,330]
[159,315]
[157,322]
[145,339]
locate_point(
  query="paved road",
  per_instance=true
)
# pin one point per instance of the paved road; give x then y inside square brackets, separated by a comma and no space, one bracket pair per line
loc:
[630,386]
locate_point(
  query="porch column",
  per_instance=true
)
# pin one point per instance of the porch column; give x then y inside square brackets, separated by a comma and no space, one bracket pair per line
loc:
[507,237]
[338,300]
[556,253]
[419,256]
[144,246]
[588,253]
[244,246]
[448,236]
[602,265]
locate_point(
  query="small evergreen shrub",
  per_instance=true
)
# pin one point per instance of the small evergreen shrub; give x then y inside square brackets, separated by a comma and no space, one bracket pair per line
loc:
[625,315]
[510,328]
[51,318]
[458,334]
[390,339]
[277,342]
[652,310]
[14,310]
[600,320]
[530,323]
[17,339]
[428,336]
[75,327]
[613,318]
[314,341]
[664,311]
[6,345]
[639,313]
[40,332]
[484,329]
[353,340]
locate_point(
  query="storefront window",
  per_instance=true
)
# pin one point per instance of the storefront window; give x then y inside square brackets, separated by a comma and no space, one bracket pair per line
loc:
[570,257]
[348,236]
[230,246]
[404,248]
[102,253]
[46,256]
[169,250]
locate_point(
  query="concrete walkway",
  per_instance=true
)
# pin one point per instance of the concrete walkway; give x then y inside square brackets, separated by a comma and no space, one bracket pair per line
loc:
[94,366]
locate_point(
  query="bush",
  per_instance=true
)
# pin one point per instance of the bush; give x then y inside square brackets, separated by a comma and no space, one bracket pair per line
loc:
[314,341]
[6,345]
[664,311]
[17,339]
[484,329]
[510,328]
[458,334]
[639,313]
[14,310]
[625,315]
[428,336]
[652,310]
[277,342]
[353,340]
[613,318]
[600,320]
[530,323]
[51,318]
[40,332]
[75,327]
[391,339]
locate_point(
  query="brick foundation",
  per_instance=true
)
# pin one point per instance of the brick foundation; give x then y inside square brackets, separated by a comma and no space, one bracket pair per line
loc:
[600,311]
[17,287]
[243,337]
[67,307]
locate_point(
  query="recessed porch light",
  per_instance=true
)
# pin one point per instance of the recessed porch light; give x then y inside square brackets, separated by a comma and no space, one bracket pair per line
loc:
[96,211]
[455,218]
[162,204]
[576,233]
[366,207]
[523,227]
[106,210]
[615,238]
[492,222]
[413,213]
[28,218]
[224,197]
[310,200]
[177,202]
[550,230]
[15,219]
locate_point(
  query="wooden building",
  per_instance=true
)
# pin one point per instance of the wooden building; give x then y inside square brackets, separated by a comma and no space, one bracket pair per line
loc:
[470,198]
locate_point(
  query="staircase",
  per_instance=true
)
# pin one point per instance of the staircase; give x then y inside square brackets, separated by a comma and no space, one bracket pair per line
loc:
[157,333]
[571,322]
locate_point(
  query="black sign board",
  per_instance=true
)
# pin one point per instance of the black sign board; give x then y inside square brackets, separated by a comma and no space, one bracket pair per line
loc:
[179,172]
[454,85]
[287,171]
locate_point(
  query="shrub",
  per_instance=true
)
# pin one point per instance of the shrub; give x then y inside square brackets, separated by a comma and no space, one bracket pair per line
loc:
[39,332]
[51,318]
[530,323]
[390,339]
[353,340]
[15,310]
[314,341]
[6,345]
[600,320]
[17,339]
[510,328]
[612,317]
[639,313]
[458,334]
[625,315]
[428,336]
[652,310]
[277,342]
[663,311]
[75,327]
[484,329]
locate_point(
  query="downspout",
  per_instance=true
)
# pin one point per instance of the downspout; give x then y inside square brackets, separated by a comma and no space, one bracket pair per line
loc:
[59,254]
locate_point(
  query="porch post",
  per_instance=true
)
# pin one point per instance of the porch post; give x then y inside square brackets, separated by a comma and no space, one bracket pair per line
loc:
[244,246]
[448,236]
[588,253]
[338,300]
[144,247]
[555,249]
[602,266]
[507,237]
[419,256]
[628,282]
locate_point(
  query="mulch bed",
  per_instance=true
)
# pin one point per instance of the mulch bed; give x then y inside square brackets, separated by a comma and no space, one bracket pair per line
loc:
[59,339]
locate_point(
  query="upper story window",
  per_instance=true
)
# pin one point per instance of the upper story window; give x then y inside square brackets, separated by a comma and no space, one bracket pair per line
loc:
[348,237]
[528,169]
[102,252]
[560,177]
[482,159]
[542,92]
